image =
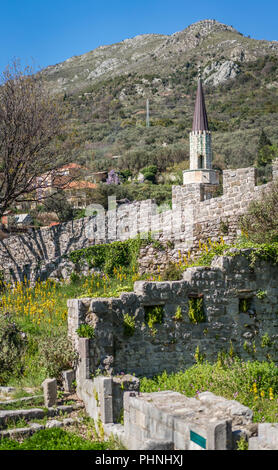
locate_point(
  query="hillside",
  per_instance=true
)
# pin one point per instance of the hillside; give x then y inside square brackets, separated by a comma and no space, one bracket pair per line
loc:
[107,88]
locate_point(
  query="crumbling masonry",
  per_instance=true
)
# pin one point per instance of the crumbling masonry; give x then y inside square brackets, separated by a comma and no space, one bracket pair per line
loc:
[239,316]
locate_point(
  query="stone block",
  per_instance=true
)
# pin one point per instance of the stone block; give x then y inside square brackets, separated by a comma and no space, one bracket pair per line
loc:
[54,423]
[84,348]
[219,435]
[50,392]
[255,443]
[68,379]
[157,444]
[269,433]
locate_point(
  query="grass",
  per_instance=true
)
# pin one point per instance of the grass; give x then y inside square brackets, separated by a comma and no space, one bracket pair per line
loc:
[252,383]
[53,439]
[35,403]
[40,312]
[43,307]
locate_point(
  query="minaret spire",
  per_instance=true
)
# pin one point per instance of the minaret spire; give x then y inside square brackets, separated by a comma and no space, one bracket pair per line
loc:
[200,120]
[200,144]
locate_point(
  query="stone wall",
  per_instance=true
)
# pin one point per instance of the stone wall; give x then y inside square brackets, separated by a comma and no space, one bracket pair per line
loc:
[170,420]
[238,304]
[195,215]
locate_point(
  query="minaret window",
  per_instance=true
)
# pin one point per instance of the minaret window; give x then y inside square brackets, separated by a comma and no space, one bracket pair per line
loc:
[200,162]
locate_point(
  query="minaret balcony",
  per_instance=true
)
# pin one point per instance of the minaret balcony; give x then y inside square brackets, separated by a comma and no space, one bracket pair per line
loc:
[203,175]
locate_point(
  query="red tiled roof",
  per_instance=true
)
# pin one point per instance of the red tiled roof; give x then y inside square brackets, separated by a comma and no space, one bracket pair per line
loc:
[80,185]
[70,165]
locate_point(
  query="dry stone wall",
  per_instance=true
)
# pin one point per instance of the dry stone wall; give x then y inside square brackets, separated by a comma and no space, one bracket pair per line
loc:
[195,215]
[229,307]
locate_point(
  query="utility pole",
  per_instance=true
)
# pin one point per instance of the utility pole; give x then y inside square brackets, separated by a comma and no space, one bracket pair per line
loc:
[147,114]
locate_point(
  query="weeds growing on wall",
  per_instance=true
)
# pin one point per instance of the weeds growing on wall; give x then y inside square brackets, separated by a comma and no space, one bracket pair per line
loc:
[261,218]
[129,325]
[196,311]
[154,315]
[108,257]
[85,331]
[244,305]
[245,247]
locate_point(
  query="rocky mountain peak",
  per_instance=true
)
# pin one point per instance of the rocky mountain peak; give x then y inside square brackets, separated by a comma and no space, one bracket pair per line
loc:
[206,27]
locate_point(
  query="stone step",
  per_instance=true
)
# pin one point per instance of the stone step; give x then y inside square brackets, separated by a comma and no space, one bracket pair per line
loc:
[36,413]
[17,433]
[23,400]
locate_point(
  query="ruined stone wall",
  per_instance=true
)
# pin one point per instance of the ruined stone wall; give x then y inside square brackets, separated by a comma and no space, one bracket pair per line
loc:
[194,216]
[240,314]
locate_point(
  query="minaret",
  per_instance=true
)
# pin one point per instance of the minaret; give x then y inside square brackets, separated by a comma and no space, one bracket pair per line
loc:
[200,145]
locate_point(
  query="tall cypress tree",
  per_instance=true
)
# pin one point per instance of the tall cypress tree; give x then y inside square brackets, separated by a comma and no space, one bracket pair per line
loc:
[265,150]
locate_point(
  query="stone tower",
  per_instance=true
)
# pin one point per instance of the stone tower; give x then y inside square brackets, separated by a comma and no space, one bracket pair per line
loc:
[200,145]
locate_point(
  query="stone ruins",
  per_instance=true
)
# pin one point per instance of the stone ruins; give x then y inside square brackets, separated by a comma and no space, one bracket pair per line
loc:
[211,310]
[198,212]
[235,319]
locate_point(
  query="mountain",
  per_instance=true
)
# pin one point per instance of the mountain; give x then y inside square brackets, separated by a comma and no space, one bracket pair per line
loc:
[205,42]
[106,90]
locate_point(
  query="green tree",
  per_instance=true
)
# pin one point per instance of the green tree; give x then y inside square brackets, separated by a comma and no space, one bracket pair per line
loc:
[266,152]
[59,204]
[150,173]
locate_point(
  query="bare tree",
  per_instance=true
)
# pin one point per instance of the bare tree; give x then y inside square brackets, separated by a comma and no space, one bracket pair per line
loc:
[34,141]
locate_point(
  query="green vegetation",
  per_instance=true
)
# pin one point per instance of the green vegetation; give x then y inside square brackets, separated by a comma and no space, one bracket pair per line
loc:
[154,315]
[178,315]
[239,110]
[150,173]
[109,111]
[53,439]
[129,325]
[244,305]
[252,383]
[244,247]
[34,403]
[261,220]
[110,257]
[196,310]
[34,333]
[85,331]
[12,350]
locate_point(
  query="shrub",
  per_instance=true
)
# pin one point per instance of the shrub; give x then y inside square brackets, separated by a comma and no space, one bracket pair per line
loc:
[171,273]
[56,354]
[13,345]
[261,220]
[229,377]
[150,172]
[109,257]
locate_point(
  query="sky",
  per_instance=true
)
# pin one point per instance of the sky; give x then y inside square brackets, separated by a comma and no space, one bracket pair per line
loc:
[46,32]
